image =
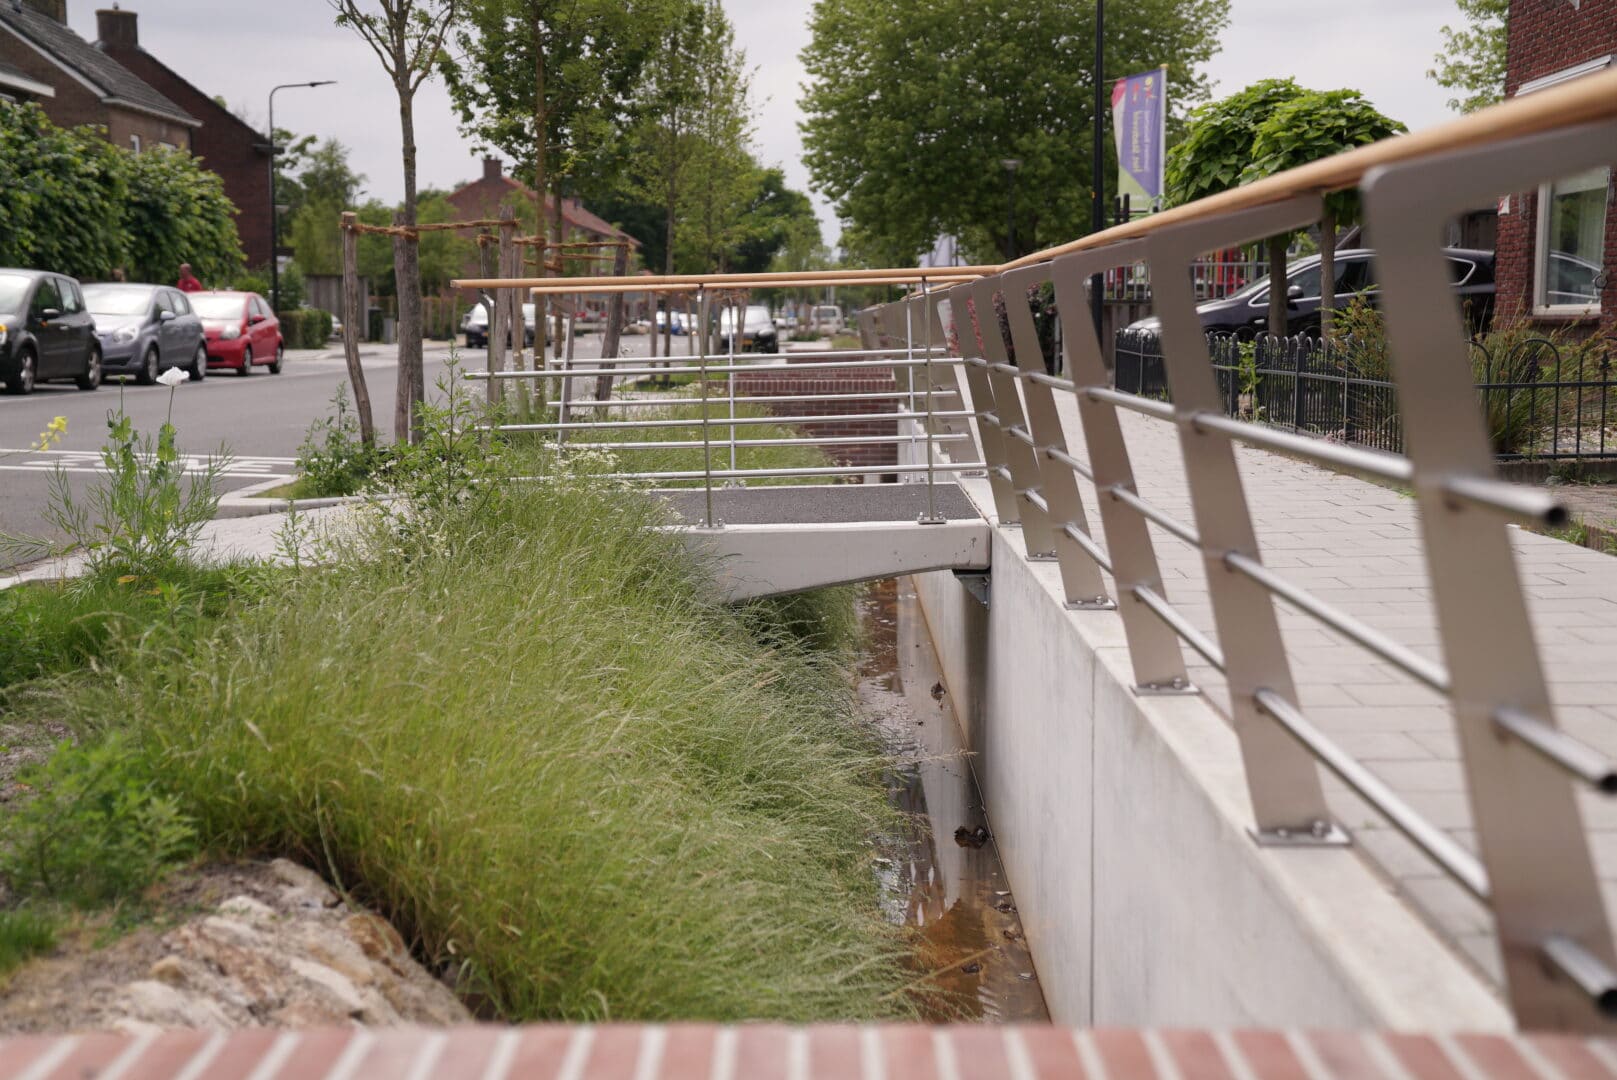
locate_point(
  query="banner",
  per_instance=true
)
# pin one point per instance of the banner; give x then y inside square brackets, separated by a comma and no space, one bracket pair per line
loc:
[1139,121]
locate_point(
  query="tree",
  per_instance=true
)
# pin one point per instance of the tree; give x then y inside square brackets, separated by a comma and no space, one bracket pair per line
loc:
[1214,155]
[1314,125]
[407,36]
[326,187]
[176,211]
[773,217]
[1473,57]
[721,174]
[912,104]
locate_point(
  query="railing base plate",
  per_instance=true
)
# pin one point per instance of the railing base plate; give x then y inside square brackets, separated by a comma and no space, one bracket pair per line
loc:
[1169,689]
[1100,603]
[1321,834]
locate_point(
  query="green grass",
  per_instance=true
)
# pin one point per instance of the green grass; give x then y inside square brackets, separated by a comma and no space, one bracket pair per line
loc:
[24,934]
[48,628]
[535,742]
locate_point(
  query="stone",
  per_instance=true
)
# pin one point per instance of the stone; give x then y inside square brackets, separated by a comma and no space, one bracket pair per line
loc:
[247,906]
[304,887]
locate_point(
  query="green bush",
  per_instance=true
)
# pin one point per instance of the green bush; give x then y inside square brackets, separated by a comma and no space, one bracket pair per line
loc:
[95,831]
[306,328]
[332,460]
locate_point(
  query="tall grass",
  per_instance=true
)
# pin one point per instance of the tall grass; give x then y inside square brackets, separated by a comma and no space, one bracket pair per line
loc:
[533,740]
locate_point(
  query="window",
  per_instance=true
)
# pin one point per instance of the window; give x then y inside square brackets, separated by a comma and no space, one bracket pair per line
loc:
[165,302]
[72,303]
[46,298]
[134,143]
[179,303]
[1569,264]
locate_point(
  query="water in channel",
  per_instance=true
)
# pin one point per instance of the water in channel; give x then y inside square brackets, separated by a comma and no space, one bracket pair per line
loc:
[942,876]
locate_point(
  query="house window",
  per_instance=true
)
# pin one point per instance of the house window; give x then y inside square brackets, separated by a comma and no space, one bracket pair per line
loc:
[1570,232]
[134,143]
[1569,265]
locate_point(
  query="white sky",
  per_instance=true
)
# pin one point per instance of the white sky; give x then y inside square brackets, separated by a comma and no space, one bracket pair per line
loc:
[1382,47]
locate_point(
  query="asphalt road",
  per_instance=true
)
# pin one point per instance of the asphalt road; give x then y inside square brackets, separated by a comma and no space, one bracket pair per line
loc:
[260,420]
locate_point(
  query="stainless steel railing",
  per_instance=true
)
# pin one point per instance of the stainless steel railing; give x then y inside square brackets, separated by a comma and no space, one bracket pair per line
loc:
[920,412]
[1533,870]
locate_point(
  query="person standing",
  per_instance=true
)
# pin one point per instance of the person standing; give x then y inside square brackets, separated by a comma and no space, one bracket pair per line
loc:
[188,282]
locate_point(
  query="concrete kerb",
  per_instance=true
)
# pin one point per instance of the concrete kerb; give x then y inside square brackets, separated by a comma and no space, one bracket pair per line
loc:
[1123,824]
[249,500]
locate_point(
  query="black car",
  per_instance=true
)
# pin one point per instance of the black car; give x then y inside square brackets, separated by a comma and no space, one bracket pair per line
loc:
[1246,313]
[45,332]
[145,329]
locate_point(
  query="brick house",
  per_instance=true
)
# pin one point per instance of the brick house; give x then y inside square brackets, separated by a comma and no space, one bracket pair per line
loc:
[1557,246]
[224,142]
[481,198]
[83,84]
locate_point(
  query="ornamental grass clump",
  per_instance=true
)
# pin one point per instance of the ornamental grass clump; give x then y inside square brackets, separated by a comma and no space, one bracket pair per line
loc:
[580,786]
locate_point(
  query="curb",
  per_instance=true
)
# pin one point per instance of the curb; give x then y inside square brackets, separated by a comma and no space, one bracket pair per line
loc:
[247,498]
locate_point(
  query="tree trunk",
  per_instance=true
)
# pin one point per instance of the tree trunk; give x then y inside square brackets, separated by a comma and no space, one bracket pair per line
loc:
[558,236]
[614,325]
[1327,271]
[351,315]
[1277,286]
[407,274]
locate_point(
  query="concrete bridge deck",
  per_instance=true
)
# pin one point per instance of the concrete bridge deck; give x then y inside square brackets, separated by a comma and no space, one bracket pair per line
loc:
[771,1052]
[773,540]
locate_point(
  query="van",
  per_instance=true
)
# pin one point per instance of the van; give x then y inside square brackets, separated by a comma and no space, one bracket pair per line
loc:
[827,318]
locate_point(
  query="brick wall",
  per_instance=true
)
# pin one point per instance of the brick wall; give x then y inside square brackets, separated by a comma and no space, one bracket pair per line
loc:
[1547,36]
[801,378]
[225,144]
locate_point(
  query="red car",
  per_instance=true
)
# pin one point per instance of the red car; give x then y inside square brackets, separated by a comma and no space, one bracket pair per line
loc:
[240,330]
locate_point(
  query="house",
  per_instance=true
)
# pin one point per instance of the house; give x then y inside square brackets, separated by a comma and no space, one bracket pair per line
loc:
[481,199]
[83,85]
[225,143]
[1557,248]
[139,102]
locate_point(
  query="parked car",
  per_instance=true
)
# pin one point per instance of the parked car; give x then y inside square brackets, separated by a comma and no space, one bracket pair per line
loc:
[240,330]
[145,329]
[679,322]
[827,319]
[474,324]
[46,332]
[757,330]
[1245,313]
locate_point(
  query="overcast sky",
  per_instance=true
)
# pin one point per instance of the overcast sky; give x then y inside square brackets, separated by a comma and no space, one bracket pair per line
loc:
[241,48]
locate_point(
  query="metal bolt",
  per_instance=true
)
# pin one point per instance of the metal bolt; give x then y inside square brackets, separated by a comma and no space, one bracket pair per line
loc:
[1283,834]
[1322,829]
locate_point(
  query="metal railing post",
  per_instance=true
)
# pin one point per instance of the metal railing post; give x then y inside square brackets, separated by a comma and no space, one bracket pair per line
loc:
[737,313]
[1080,575]
[1288,801]
[1554,933]
[989,436]
[707,446]
[931,518]
[1154,652]
[1025,468]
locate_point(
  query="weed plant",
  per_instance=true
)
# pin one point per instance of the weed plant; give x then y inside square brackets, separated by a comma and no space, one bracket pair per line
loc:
[333,461]
[24,933]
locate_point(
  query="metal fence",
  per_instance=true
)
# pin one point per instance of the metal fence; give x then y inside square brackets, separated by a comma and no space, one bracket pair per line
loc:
[1212,277]
[1540,399]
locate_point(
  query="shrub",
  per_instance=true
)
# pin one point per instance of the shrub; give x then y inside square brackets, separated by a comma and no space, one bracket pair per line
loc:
[305,328]
[95,831]
[332,460]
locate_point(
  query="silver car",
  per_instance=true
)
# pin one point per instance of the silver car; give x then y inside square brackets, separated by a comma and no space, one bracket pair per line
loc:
[144,329]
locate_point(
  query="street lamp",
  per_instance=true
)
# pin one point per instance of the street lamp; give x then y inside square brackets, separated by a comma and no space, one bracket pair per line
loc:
[1010,165]
[275,213]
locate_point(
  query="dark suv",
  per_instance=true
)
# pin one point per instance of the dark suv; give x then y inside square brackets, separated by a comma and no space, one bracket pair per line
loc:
[45,332]
[1246,313]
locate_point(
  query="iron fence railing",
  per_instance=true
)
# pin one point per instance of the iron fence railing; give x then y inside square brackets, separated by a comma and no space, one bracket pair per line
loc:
[1541,399]
[1212,278]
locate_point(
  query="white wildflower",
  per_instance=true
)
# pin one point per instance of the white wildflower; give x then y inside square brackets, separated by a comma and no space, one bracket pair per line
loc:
[172,377]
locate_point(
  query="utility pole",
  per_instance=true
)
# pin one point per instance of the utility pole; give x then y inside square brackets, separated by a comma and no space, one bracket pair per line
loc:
[1097,219]
[275,212]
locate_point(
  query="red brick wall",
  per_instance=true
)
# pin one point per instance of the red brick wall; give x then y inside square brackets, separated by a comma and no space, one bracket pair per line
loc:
[802,379]
[225,144]
[1547,36]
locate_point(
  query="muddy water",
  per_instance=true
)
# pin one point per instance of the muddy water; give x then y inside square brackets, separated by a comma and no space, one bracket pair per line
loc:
[942,877]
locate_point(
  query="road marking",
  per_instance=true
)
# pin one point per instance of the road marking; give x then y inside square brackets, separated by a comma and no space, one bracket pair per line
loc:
[89,461]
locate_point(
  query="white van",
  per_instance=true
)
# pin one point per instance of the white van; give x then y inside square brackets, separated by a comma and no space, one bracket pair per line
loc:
[827,319]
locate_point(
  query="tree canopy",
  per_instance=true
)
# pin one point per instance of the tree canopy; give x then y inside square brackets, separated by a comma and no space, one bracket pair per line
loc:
[1473,58]
[912,104]
[79,205]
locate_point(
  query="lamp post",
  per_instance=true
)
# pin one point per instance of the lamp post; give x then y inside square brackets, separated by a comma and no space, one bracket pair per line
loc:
[275,213]
[1097,210]
[1010,165]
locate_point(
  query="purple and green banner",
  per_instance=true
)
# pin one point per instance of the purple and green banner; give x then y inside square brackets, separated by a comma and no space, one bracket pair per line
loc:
[1139,121]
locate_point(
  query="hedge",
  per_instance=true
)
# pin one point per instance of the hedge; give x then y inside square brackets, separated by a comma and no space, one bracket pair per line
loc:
[306,328]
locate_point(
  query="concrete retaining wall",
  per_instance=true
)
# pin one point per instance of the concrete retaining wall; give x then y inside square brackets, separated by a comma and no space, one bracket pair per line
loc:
[1122,823]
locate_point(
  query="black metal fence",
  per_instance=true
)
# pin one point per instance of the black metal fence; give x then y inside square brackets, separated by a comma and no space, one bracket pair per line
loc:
[1542,399]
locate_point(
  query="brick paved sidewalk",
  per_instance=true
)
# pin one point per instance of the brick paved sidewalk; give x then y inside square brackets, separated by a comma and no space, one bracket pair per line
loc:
[759,1052]
[1356,545]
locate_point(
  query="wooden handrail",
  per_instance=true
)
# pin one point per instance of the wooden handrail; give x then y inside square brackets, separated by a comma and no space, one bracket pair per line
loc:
[1581,101]
[629,285]
[1585,100]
